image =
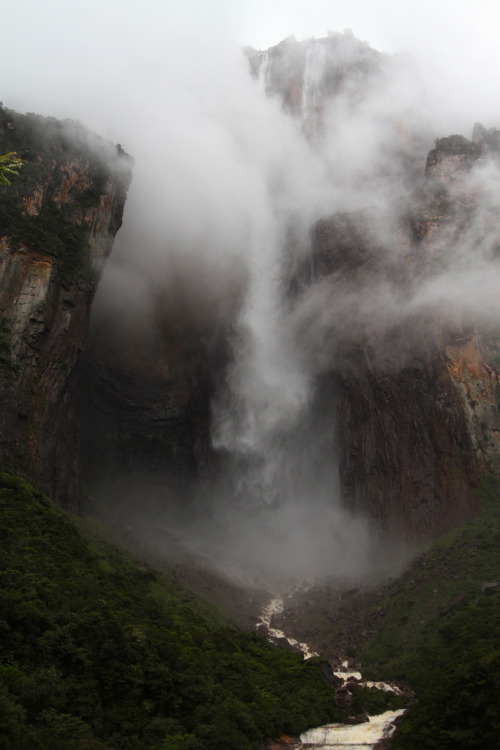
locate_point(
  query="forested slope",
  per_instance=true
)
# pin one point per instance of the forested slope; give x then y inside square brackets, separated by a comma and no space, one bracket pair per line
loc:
[100,652]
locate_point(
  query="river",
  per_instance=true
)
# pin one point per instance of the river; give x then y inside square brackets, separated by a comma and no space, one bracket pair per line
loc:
[363,736]
[351,737]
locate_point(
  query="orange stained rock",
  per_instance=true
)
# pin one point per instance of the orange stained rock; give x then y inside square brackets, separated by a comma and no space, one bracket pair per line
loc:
[466,365]
[282,742]
[33,202]
[32,260]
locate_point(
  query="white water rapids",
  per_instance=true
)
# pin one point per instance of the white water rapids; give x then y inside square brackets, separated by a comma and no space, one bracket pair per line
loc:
[341,736]
[275,607]
[351,737]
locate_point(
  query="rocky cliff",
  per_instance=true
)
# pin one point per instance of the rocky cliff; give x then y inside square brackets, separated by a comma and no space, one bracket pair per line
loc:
[412,370]
[305,75]
[351,101]
[58,219]
[147,387]
[417,363]
[149,379]
[416,367]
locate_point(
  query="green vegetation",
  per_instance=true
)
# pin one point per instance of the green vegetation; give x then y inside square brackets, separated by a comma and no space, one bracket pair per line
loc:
[51,231]
[375,702]
[441,633]
[456,144]
[10,164]
[99,652]
[457,676]
[47,148]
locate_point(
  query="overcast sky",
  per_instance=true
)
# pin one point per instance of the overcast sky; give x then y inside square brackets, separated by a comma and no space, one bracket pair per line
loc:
[88,58]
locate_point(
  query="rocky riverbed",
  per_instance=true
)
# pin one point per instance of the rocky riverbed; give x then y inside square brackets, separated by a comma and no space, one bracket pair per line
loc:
[360,731]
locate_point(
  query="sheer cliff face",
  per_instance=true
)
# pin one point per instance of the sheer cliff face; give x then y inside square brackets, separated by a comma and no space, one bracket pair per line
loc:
[148,382]
[362,109]
[418,368]
[150,379]
[57,224]
[417,377]
[306,75]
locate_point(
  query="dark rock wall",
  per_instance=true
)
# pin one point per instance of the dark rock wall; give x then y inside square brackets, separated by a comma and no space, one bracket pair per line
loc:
[417,416]
[146,399]
[57,224]
[416,410]
[406,455]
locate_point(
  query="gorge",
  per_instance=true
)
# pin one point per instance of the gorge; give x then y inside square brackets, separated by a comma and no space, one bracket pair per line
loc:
[292,367]
[278,374]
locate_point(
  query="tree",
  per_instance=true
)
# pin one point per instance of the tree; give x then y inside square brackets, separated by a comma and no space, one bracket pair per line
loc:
[10,164]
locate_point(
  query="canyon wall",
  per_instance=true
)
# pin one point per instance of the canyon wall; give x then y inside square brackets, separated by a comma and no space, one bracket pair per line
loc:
[147,386]
[418,409]
[361,108]
[416,412]
[58,219]
[414,367]
[415,415]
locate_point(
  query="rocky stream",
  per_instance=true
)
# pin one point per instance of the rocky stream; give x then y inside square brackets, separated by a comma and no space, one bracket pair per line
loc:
[359,732]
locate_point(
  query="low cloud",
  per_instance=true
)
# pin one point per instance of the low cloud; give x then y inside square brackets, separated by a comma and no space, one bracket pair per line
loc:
[226,187]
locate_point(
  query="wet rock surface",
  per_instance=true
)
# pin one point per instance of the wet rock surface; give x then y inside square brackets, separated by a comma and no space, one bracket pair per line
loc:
[417,413]
[57,224]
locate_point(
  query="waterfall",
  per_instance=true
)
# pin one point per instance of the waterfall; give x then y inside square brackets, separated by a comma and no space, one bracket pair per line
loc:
[274,635]
[357,737]
[224,223]
[264,69]
[313,75]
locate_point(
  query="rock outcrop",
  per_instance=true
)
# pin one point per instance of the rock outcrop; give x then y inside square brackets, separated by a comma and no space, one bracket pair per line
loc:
[58,219]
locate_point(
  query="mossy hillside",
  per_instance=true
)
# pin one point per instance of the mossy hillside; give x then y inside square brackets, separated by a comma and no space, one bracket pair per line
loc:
[52,231]
[46,145]
[457,676]
[112,509]
[97,651]
[442,581]
[441,633]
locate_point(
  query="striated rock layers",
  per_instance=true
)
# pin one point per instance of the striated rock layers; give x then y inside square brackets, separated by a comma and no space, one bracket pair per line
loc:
[58,219]
[415,348]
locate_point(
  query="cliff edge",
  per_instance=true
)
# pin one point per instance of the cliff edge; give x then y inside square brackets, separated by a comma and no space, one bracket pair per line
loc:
[58,219]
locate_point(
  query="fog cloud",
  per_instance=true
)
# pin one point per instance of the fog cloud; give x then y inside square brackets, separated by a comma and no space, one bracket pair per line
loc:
[226,187]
